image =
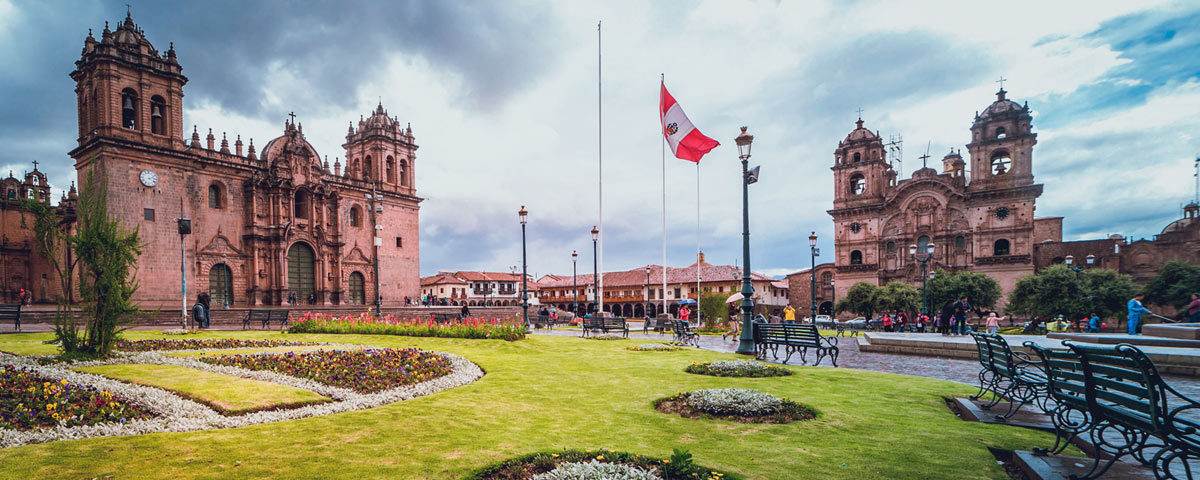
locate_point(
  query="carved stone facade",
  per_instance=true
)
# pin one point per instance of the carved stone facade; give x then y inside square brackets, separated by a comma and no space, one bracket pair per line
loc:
[984,222]
[267,226]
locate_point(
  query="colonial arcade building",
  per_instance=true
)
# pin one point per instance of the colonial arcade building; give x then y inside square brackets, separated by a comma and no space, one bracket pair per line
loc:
[269,226]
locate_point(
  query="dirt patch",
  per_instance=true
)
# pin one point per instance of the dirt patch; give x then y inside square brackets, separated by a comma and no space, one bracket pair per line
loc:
[791,412]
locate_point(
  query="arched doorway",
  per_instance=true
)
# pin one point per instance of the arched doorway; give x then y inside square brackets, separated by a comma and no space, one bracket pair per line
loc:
[652,310]
[220,285]
[301,272]
[826,308]
[627,311]
[357,294]
[639,311]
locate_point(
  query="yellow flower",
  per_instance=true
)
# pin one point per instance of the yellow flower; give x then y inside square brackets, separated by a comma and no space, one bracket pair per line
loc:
[64,381]
[555,455]
[599,457]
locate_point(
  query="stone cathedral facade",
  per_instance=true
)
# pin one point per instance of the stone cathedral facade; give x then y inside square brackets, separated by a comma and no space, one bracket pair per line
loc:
[269,226]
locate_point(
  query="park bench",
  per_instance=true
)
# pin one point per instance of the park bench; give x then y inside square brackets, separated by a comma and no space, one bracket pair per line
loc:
[685,333]
[841,328]
[1018,378]
[11,312]
[265,317]
[793,338]
[543,321]
[444,317]
[605,325]
[1065,385]
[987,379]
[657,324]
[1157,425]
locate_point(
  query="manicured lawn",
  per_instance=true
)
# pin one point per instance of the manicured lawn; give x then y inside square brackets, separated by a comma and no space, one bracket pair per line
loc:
[27,344]
[553,392]
[225,393]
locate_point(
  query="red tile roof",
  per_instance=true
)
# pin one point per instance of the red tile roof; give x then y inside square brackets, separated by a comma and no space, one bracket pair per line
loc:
[675,275]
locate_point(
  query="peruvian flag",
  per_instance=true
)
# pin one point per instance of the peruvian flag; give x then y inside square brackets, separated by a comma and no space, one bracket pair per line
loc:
[686,141]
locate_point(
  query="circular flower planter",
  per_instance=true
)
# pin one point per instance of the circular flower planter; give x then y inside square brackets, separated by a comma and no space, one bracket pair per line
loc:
[607,336]
[653,347]
[737,404]
[598,465]
[737,368]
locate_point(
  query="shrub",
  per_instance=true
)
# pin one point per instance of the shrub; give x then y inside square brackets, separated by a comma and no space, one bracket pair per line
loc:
[366,324]
[607,336]
[679,467]
[596,470]
[653,347]
[737,368]
[734,401]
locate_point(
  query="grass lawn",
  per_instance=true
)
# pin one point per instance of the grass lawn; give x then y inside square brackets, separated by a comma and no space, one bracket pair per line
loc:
[550,392]
[227,394]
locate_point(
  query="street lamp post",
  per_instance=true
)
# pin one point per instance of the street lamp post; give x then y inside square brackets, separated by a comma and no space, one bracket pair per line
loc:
[812,246]
[574,285]
[832,300]
[595,267]
[924,258]
[524,276]
[647,310]
[746,341]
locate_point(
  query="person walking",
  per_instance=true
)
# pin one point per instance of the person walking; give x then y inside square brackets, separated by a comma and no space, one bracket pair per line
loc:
[961,307]
[901,321]
[1093,323]
[993,323]
[1136,309]
[887,323]
[1193,309]
[922,322]
[465,312]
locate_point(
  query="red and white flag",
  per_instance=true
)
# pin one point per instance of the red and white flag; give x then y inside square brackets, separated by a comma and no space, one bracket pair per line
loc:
[686,141]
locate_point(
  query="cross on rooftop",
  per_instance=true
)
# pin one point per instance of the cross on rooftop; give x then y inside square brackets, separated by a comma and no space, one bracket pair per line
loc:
[293,115]
[923,158]
[860,110]
[35,162]
[1001,81]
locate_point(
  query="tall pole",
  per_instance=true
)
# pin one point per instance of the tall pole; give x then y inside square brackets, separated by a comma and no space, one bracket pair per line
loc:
[599,162]
[574,284]
[524,275]
[647,311]
[182,269]
[663,293]
[746,341]
[812,270]
[595,274]
[924,290]
[376,243]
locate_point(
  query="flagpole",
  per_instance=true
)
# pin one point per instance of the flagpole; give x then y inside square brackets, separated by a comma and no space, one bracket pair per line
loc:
[663,81]
[698,242]
[600,168]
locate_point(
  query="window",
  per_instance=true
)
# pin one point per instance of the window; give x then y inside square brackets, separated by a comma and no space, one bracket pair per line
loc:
[1001,163]
[1001,133]
[960,242]
[399,242]
[129,109]
[858,184]
[677,293]
[857,157]
[923,244]
[403,172]
[355,216]
[149,214]
[1001,247]
[300,204]
[891,247]
[856,257]
[215,199]
[366,173]
[158,109]
[391,172]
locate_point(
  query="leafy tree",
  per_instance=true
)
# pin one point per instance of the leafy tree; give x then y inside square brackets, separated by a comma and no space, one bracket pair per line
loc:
[712,307]
[1174,284]
[50,239]
[860,299]
[1060,290]
[981,290]
[107,255]
[897,296]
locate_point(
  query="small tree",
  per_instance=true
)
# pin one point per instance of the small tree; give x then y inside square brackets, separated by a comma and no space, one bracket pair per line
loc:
[712,307]
[1174,284]
[108,255]
[1059,290]
[981,290]
[860,299]
[897,296]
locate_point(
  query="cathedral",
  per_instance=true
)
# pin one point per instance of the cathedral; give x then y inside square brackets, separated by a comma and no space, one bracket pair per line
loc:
[268,227]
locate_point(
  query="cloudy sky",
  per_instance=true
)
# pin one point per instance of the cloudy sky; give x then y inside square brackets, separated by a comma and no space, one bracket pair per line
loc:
[502,99]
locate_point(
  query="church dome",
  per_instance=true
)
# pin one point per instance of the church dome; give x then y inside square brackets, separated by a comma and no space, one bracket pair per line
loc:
[860,134]
[128,36]
[292,141]
[1001,106]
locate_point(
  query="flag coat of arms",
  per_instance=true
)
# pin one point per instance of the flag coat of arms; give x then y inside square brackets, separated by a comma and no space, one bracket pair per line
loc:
[686,141]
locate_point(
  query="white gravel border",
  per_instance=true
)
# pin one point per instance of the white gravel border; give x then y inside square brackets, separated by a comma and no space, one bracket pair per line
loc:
[177,414]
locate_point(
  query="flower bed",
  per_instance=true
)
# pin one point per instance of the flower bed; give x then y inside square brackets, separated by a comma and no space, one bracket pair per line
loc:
[167,344]
[607,336]
[472,327]
[597,465]
[654,347]
[29,401]
[364,371]
[737,368]
[738,404]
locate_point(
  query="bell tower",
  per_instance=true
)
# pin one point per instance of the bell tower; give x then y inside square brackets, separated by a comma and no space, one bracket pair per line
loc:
[382,152]
[127,90]
[859,169]
[1001,145]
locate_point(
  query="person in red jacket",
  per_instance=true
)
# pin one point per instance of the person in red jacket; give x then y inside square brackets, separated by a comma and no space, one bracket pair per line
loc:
[887,323]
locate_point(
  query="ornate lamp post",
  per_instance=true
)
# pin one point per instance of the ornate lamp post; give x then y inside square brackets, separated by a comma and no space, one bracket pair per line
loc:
[524,276]
[832,300]
[595,268]
[812,246]
[574,285]
[924,258]
[746,341]
[647,310]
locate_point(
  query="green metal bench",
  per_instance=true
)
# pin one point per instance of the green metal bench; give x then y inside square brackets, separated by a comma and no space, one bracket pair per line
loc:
[1019,378]
[1066,385]
[793,338]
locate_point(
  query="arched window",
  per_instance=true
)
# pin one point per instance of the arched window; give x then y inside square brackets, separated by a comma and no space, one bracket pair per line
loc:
[357,168]
[923,244]
[827,278]
[129,109]
[366,173]
[220,285]
[1001,133]
[1001,247]
[857,157]
[158,112]
[300,204]
[12,194]
[215,197]
[355,216]
[891,247]
[1001,163]
[403,172]
[856,257]
[357,294]
[960,242]
[858,184]
[391,172]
